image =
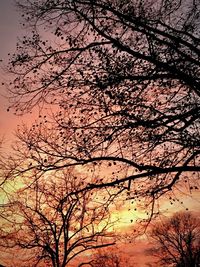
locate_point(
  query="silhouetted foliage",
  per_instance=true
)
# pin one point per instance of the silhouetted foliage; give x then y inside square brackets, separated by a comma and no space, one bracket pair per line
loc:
[54,229]
[177,241]
[125,78]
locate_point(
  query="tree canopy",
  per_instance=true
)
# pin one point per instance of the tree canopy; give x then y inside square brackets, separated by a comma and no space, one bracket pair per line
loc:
[124,79]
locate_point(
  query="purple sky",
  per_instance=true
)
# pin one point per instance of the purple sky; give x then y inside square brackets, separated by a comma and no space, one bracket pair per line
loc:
[9,26]
[10,29]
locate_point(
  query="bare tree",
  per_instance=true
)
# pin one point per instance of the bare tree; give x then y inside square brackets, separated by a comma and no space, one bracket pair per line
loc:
[3,177]
[177,241]
[125,78]
[53,229]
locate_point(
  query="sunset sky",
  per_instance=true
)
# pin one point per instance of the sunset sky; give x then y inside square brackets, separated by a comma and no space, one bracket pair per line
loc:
[10,29]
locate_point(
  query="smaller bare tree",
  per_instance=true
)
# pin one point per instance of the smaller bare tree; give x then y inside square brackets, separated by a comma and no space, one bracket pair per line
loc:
[103,259]
[108,258]
[177,241]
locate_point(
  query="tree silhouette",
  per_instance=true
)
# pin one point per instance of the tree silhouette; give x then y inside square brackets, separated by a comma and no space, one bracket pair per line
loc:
[177,241]
[52,229]
[125,78]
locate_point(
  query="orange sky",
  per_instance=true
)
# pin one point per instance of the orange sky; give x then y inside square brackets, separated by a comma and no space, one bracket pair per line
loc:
[9,30]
